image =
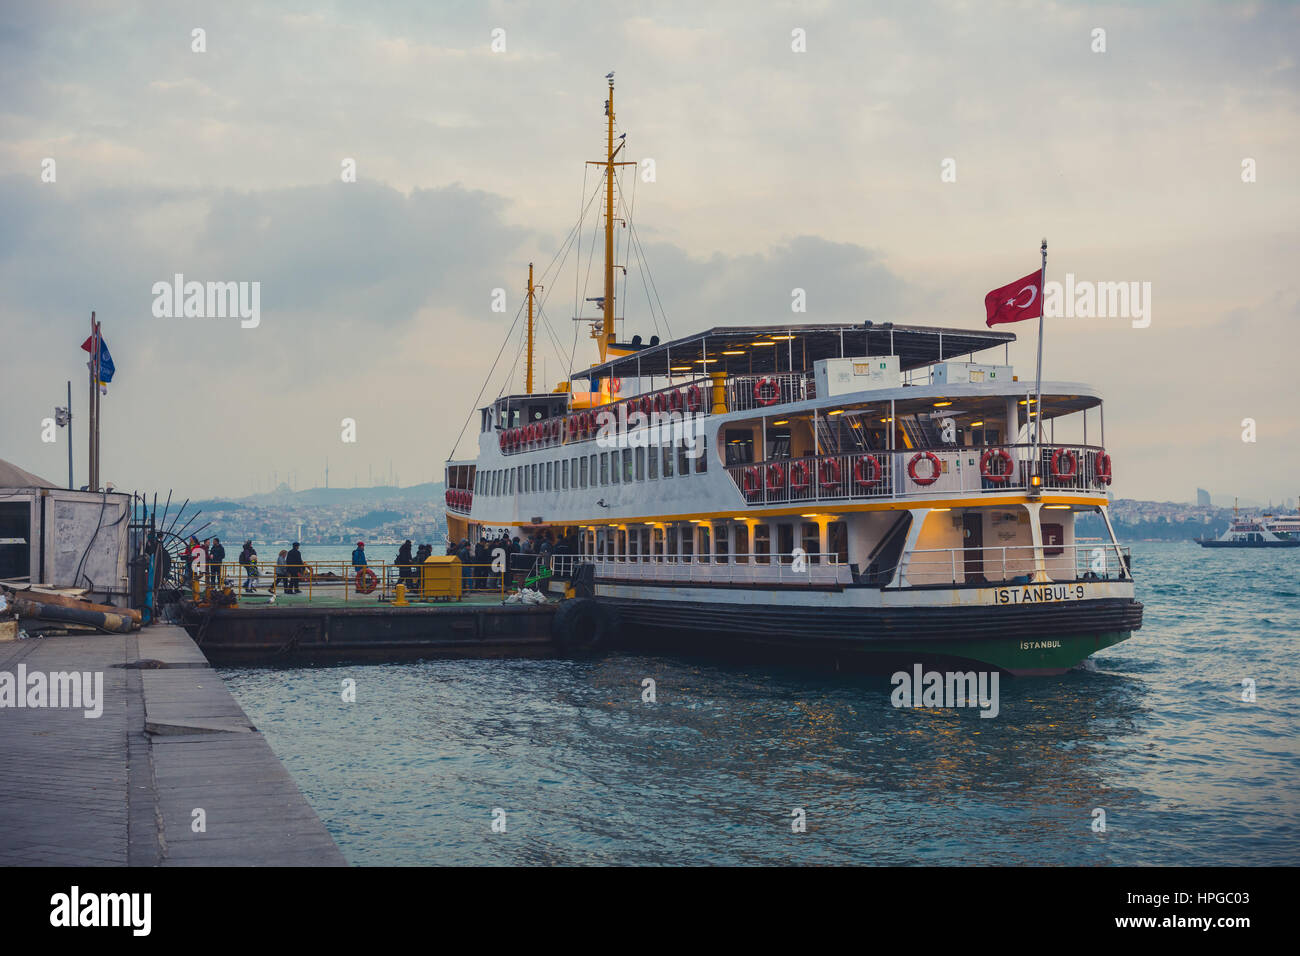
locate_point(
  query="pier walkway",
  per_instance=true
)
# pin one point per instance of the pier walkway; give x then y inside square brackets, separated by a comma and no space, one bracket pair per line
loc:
[171,750]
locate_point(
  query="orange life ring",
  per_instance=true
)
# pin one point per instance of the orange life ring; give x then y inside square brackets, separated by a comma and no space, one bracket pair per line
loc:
[694,399]
[660,403]
[758,390]
[749,482]
[555,429]
[675,400]
[647,405]
[830,472]
[502,440]
[631,408]
[1055,464]
[775,476]
[1004,472]
[916,460]
[872,465]
[366,581]
[1103,470]
[798,475]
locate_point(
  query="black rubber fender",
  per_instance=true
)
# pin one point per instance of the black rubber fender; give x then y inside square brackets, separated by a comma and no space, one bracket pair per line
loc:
[583,624]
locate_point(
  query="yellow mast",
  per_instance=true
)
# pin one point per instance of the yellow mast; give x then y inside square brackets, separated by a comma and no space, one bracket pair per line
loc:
[607,332]
[528,387]
[605,337]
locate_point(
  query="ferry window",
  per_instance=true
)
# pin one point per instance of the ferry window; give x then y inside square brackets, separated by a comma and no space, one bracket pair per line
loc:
[652,460]
[615,472]
[621,544]
[812,541]
[593,471]
[645,544]
[573,472]
[785,542]
[640,464]
[604,468]
[668,461]
[837,541]
[742,544]
[532,477]
[739,444]
[720,545]
[658,536]
[583,461]
[510,481]
[687,542]
[627,464]
[672,544]
[701,459]
[550,475]
[762,543]
[706,546]
[683,460]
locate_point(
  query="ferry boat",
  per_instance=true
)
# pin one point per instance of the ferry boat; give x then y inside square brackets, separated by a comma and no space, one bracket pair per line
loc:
[1268,531]
[866,492]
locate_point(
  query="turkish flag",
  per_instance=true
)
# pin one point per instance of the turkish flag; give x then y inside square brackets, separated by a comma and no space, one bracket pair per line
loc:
[1022,299]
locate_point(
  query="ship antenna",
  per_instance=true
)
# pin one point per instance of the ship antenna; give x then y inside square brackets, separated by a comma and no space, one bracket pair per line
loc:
[532,292]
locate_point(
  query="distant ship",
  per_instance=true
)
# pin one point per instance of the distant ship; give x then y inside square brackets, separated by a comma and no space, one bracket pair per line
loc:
[1268,531]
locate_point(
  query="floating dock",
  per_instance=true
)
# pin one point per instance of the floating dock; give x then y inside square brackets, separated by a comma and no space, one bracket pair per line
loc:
[171,773]
[326,629]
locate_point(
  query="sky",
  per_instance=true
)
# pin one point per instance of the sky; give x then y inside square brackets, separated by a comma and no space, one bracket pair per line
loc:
[906,161]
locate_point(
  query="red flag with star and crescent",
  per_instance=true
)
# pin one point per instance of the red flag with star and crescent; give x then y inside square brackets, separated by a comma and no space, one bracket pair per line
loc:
[1015,301]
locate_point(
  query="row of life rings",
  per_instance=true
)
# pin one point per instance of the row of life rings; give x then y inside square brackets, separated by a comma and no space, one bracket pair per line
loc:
[586,424]
[460,499]
[996,464]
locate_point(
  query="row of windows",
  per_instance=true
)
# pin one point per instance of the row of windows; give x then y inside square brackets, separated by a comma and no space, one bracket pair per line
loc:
[622,466]
[722,543]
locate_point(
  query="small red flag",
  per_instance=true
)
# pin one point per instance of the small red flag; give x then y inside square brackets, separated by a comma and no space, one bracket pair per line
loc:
[1022,299]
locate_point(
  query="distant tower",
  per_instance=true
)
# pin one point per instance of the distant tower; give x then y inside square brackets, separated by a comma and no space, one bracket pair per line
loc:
[1202,498]
[327,472]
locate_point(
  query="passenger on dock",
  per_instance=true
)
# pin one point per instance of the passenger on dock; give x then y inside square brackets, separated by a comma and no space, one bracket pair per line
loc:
[248,559]
[359,555]
[466,557]
[403,562]
[281,576]
[482,560]
[422,553]
[293,563]
[216,557]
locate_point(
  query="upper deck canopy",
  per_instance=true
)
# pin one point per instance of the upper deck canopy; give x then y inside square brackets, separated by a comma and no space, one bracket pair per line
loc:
[769,348]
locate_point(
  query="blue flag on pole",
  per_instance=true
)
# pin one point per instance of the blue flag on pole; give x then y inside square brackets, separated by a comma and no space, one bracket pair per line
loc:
[106,367]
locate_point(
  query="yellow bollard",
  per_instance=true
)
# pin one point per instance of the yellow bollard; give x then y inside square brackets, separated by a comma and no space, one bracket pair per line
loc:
[399,596]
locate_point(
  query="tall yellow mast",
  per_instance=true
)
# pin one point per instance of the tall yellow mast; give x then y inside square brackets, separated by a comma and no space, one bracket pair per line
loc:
[605,337]
[528,387]
[607,332]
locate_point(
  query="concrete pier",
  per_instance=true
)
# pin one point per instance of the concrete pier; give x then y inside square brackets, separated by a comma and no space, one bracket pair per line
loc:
[171,773]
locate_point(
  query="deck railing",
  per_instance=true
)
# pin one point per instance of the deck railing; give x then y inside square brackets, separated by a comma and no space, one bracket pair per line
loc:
[917,473]
[340,580]
[739,569]
[1014,564]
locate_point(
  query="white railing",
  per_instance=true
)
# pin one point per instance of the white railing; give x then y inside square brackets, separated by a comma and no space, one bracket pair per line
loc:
[1014,564]
[775,569]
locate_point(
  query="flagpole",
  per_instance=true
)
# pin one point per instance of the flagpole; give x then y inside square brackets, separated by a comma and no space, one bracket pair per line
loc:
[1036,417]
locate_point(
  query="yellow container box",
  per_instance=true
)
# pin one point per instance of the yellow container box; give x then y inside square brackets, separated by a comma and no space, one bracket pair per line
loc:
[440,578]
